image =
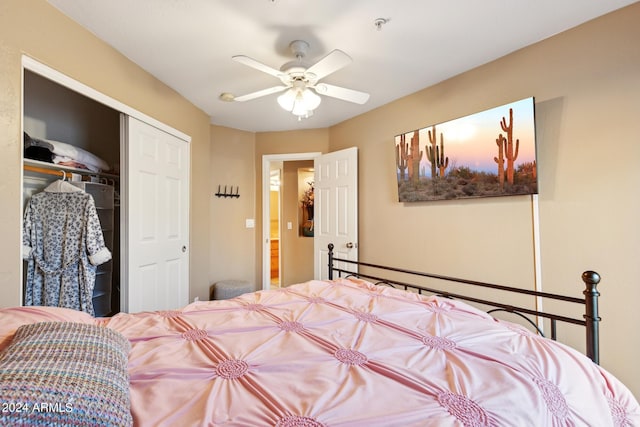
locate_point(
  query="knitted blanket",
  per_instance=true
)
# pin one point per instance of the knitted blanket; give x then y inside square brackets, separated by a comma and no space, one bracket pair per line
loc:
[65,374]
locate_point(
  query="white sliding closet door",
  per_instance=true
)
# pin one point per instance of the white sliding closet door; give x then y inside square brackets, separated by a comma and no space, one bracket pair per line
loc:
[156,218]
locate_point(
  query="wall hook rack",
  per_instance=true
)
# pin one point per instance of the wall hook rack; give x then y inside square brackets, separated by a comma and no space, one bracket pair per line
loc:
[228,193]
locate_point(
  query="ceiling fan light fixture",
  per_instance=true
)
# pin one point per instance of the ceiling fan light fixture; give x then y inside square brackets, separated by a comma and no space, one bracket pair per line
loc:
[287,99]
[310,99]
[299,102]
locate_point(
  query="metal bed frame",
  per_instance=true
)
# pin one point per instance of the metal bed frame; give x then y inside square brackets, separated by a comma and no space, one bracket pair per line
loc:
[590,301]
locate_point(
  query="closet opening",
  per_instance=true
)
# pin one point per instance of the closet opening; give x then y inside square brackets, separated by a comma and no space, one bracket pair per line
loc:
[70,137]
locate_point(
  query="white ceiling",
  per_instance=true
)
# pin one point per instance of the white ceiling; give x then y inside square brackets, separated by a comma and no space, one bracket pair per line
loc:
[188,45]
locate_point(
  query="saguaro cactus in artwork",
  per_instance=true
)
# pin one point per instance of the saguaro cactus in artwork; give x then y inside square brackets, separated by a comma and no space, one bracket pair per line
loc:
[431,150]
[500,159]
[402,152]
[441,161]
[414,157]
[534,172]
[508,146]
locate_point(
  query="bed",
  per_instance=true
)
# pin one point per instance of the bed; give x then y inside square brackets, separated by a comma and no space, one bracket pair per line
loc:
[347,351]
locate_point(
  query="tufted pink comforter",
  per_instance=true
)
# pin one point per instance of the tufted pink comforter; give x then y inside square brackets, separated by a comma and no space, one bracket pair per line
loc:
[348,353]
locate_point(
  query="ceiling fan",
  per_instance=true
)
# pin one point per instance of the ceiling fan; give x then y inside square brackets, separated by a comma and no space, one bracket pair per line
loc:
[301,81]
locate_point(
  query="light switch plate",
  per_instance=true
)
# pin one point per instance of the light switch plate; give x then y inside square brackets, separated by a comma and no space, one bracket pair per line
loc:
[250,223]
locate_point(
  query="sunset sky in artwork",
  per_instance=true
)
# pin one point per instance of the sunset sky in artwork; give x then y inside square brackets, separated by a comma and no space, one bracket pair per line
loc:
[471,140]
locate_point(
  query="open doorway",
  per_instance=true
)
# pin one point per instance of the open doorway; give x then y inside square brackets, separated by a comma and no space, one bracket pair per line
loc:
[275,184]
[284,244]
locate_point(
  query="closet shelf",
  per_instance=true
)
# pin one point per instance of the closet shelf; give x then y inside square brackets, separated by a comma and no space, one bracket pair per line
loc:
[57,170]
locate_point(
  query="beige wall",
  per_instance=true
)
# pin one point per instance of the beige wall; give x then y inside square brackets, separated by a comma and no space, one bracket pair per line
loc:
[34,28]
[232,244]
[586,83]
[274,212]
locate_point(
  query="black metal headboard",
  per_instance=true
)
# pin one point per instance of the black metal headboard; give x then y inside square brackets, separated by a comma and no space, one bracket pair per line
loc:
[590,301]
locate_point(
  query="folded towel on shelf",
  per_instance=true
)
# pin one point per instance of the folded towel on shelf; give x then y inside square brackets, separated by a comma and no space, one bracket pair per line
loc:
[68,161]
[64,152]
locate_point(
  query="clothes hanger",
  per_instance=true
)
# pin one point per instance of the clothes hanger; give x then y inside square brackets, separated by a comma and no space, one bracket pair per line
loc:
[62,185]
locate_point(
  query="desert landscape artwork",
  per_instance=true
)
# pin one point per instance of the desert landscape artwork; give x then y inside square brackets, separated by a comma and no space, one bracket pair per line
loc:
[490,153]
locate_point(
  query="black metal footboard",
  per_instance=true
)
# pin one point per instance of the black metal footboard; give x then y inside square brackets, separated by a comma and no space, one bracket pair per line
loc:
[590,301]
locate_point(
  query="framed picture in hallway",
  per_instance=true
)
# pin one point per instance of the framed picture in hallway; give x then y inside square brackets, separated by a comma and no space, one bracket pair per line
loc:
[306,193]
[486,154]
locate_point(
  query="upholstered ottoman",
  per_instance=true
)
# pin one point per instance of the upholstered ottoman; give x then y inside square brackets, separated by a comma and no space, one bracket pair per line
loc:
[226,289]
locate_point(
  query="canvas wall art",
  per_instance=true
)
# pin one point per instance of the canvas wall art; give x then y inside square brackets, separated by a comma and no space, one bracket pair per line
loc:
[490,153]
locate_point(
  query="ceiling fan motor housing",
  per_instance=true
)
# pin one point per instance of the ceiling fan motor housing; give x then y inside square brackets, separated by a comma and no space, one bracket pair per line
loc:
[295,70]
[299,48]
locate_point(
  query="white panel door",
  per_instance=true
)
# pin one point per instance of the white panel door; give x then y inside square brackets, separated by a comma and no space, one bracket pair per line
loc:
[336,208]
[157,219]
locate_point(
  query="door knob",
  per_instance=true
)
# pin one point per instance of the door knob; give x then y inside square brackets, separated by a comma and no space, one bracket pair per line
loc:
[184,249]
[350,245]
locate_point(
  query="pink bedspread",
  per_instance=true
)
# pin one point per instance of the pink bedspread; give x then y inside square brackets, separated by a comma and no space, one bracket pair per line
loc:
[348,353]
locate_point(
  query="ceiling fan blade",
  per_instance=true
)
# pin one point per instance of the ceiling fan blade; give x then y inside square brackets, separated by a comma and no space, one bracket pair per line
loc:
[342,93]
[332,62]
[258,94]
[257,65]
